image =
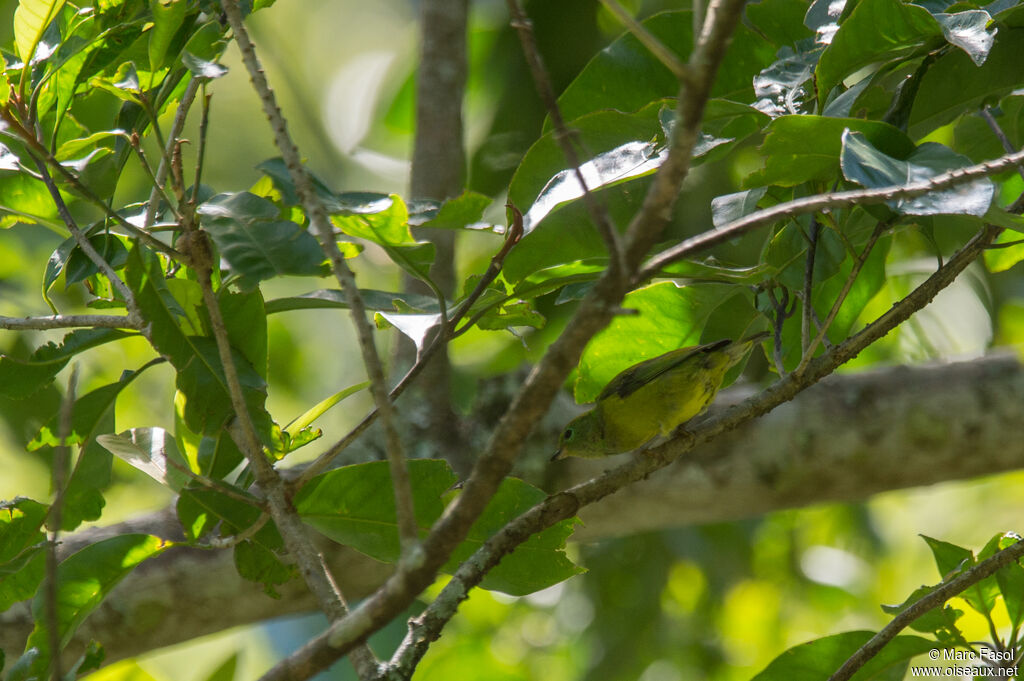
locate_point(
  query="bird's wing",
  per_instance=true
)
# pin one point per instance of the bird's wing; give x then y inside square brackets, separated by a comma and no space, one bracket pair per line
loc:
[639,375]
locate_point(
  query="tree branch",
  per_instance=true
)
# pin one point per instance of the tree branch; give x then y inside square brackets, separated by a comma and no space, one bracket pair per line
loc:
[417,572]
[565,504]
[57,321]
[661,52]
[822,202]
[346,279]
[940,595]
[845,439]
[598,211]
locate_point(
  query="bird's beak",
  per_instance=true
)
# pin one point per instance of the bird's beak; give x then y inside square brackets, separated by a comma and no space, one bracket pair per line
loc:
[559,455]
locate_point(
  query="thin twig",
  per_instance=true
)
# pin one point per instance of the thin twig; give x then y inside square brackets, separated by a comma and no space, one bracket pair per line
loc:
[96,321]
[598,211]
[426,627]
[940,595]
[997,130]
[187,97]
[823,202]
[204,124]
[661,51]
[234,540]
[858,264]
[134,141]
[61,454]
[513,236]
[808,309]
[566,504]
[83,241]
[314,208]
[544,382]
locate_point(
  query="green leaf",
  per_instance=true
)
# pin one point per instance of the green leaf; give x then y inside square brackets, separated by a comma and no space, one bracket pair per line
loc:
[334,299]
[460,212]
[312,414]
[955,85]
[344,203]
[624,150]
[627,77]
[999,257]
[201,509]
[355,505]
[254,242]
[91,413]
[31,19]
[1010,579]
[668,317]
[969,31]
[537,563]
[818,659]
[82,146]
[83,580]
[730,207]
[168,16]
[79,267]
[22,558]
[781,21]
[389,228]
[26,199]
[200,375]
[866,165]
[246,323]
[22,378]
[259,564]
[152,451]
[876,31]
[940,621]
[952,559]
[802,148]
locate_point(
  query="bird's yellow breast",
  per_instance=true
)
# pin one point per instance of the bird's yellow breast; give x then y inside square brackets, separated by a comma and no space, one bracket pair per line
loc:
[662,405]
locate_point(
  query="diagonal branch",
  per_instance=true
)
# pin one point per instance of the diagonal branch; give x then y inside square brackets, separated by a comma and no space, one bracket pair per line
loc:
[427,626]
[593,313]
[659,49]
[823,202]
[598,211]
[346,279]
[940,595]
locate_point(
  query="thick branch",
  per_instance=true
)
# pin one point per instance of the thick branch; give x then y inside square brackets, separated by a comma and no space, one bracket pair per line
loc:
[845,439]
[943,593]
[544,382]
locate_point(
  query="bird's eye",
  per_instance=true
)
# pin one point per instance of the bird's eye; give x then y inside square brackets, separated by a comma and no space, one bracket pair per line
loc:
[567,435]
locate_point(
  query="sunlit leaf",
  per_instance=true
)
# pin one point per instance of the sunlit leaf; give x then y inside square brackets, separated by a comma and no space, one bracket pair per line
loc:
[152,451]
[31,19]
[83,581]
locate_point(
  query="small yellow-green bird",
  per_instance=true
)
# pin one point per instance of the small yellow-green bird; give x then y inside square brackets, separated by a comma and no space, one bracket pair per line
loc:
[652,398]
